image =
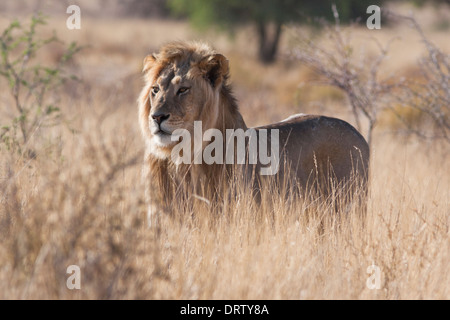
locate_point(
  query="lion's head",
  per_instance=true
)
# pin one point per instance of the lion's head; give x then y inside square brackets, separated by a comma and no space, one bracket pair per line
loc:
[184,83]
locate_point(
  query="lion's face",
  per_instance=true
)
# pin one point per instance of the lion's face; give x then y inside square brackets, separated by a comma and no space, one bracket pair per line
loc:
[180,89]
[173,105]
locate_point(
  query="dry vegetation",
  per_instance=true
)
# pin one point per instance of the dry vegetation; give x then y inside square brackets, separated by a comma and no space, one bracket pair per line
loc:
[79,201]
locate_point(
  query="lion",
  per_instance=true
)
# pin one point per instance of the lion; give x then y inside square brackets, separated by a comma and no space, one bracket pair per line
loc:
[189,81]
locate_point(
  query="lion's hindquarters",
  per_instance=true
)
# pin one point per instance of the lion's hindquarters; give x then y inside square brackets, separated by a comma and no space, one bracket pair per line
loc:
[323,155]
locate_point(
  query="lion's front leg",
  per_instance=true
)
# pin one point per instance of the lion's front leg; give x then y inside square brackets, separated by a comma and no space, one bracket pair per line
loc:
[154,213]
[157,190]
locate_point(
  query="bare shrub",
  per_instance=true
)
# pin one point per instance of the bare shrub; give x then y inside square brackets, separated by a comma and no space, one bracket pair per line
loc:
[368,94]
[338,67]
[430,95]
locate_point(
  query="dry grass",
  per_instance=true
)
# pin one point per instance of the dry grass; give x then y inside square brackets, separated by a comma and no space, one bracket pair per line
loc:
[87,210]
[80,202]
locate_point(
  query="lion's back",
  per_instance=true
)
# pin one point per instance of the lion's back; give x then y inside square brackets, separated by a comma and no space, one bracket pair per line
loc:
[311,144]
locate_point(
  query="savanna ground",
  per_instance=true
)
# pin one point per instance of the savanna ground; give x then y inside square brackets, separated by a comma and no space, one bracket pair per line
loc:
[78,199]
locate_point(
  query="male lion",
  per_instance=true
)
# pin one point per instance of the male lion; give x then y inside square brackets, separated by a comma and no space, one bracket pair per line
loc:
[188,82]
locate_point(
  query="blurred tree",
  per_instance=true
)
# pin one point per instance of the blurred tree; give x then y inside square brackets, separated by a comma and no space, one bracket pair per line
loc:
[420,3]
[268,16]
[146,8]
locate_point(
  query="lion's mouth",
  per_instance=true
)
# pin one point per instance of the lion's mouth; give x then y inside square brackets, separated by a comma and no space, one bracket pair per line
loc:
[161,132]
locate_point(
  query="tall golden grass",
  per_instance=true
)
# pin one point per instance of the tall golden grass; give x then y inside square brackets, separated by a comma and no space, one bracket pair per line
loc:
[80,202]
[86,209]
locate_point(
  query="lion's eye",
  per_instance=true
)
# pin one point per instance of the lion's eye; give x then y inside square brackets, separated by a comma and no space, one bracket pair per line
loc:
[155,90]
[182,90]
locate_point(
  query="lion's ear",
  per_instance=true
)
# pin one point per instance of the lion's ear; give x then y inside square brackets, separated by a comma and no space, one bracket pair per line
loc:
[214,68]
[149,61]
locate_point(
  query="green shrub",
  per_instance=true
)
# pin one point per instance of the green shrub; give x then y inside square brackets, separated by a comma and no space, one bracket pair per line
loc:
[32,85]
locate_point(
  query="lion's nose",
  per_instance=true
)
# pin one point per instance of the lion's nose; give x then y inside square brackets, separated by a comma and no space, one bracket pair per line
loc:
[160,117]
